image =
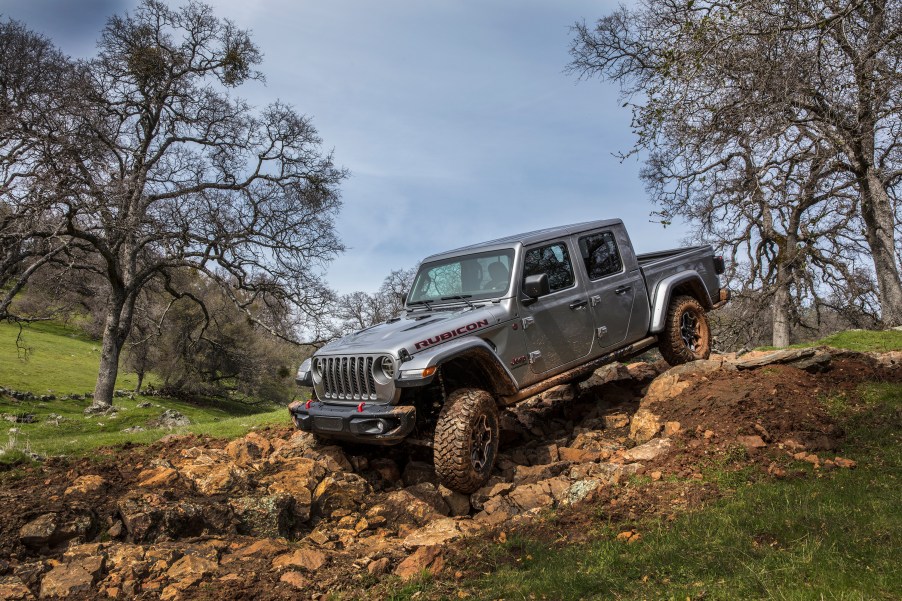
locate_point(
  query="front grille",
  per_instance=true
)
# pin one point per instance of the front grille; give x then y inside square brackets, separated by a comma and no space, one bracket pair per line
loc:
[348,378]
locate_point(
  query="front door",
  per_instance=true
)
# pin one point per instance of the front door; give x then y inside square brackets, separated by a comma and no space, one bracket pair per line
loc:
[558,326]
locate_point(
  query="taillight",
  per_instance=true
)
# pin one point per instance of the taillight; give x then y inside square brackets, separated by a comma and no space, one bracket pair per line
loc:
[719,266]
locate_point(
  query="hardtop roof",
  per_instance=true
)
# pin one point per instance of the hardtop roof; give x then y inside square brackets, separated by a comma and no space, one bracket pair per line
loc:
[527,238]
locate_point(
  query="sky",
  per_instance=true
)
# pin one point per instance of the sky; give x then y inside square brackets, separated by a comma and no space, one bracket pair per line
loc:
[455,118]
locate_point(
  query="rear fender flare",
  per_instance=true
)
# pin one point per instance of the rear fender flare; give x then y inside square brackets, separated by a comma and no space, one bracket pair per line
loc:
[664,292]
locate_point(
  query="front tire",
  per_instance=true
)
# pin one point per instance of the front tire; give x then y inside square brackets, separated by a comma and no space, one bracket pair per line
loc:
[466,440]
[687,334]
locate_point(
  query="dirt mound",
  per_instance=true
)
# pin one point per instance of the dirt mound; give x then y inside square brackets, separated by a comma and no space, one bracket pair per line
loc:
[276,513]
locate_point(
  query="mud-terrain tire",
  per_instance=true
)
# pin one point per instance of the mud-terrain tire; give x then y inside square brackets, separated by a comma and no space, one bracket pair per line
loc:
[466,439]
[687,334]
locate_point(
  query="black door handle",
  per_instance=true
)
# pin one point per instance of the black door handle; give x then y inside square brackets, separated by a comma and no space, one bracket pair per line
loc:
[579,304]
[623,289]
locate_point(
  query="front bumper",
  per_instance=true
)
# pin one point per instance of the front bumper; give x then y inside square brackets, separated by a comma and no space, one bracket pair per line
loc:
[372,424]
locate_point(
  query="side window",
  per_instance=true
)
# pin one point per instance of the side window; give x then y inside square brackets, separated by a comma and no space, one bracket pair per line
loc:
[552,259]
[600,254]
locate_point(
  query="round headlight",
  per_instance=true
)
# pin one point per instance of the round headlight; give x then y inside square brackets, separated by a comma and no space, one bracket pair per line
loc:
[318,367]
[384,368]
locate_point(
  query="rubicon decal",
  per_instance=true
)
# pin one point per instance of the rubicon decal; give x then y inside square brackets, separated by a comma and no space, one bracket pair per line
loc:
[470,327]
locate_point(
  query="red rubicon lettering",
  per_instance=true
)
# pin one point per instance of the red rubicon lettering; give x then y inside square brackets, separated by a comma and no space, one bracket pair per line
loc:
[470,327]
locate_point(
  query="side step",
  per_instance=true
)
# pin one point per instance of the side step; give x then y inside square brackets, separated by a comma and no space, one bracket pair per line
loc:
[636,348]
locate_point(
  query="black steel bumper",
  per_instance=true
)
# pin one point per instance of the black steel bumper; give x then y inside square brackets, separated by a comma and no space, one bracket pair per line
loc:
[372,424]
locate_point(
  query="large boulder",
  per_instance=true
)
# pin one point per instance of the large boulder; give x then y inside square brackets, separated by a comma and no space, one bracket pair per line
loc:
[251,449]
[267,516]
[339,491]
[149,516]
[649,451]
[645,425]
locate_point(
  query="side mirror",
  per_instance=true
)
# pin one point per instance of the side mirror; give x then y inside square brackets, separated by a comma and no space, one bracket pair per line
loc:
[536,285]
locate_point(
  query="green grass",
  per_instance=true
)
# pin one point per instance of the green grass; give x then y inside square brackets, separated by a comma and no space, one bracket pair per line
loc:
[50,358]
[857,340]
[63,361]
[838,536]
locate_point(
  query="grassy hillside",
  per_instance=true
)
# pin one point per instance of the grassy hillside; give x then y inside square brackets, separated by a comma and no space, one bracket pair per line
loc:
[858,340]
[50,359]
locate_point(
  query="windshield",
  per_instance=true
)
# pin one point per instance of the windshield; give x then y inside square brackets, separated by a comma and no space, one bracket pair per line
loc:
[476,276]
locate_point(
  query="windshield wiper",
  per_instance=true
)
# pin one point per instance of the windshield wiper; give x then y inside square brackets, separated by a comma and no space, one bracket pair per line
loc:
[428,303]
[462,297]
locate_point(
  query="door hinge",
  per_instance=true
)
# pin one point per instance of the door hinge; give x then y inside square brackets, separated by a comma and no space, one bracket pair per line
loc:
[595,300]
[535,356]
[601,331]
[528,321]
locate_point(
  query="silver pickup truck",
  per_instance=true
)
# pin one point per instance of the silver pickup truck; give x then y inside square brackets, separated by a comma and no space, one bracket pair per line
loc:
[491,324]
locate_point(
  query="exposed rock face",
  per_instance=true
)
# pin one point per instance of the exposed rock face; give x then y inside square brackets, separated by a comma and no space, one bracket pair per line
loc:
[86,485]
[424,559]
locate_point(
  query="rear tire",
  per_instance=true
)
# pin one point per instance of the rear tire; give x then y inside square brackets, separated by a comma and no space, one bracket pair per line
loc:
[687,334]
[466,440]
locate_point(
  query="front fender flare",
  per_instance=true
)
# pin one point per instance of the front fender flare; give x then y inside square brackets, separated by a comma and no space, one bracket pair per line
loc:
[475,348]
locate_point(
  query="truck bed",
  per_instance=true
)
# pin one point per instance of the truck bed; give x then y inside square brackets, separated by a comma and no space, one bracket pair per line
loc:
[656,266]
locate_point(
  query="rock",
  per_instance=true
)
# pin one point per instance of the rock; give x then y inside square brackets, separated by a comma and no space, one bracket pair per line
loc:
[378,567]
[189,570]
[39,532]
[416,472]
[645,425]
[612,421]
[253,448]
[642,371]
[581,490]
[13,589]
[544,455]
[656,475]
[429,494]
[65,580]
[784,356]
[85,485]
[564,392]
[458,503]
[437,532]
[387,469]
[751,442]
[148,516]
[664,388]
[611,372]
[308,559]
[535,473]
[158,477]
[261,548]
[267,516]
[210,476]
[606,472]
[845,463]
[331,457]
[649,451]
[424,559]
[295,579]
[170,418]
[579,455]
[341,491]
[298,478]
[671,428]
[401,507]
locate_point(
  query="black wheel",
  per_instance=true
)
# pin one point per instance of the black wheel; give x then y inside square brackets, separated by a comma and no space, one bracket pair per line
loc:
[687,335]
[466,439]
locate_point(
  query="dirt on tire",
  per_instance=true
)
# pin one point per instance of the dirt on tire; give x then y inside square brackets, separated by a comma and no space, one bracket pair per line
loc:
[672,343]
[465,413]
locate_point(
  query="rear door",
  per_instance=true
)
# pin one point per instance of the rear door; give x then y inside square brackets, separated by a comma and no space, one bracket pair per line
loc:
[558,326]
[611,288]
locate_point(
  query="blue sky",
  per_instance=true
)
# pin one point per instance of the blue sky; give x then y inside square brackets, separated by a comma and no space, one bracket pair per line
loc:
[454,117]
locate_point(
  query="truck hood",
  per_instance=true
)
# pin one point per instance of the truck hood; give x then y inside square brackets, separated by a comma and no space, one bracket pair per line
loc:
[415,331]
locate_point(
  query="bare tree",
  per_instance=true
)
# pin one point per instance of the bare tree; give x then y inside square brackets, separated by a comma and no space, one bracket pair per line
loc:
[359,310]
[700,74]
[149,165]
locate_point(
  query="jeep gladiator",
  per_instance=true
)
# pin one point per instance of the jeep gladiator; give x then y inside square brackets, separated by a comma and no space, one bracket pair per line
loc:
[491,324]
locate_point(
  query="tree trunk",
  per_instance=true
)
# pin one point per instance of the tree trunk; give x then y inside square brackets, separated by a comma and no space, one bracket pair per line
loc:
[780,310]
[877,212]
[115,332]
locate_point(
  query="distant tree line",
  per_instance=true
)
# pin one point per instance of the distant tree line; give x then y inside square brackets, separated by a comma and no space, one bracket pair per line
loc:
[773,126]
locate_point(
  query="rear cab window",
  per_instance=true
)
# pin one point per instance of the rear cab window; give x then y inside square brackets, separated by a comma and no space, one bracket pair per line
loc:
[600,255]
